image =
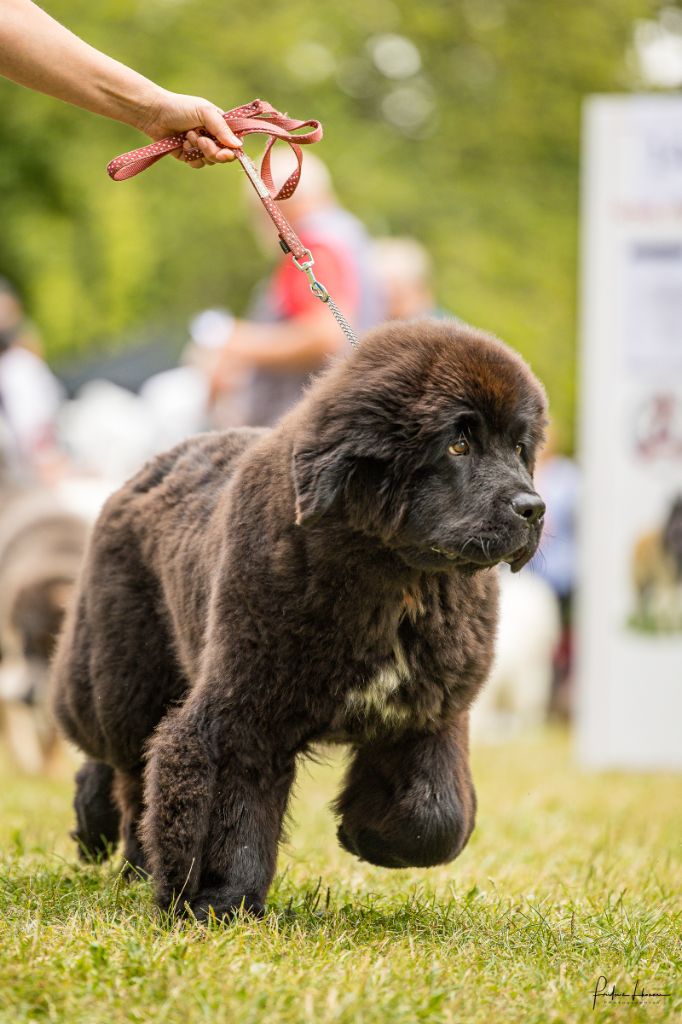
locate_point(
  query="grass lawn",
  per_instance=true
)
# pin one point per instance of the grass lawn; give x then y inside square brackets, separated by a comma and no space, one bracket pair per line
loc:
[567,878]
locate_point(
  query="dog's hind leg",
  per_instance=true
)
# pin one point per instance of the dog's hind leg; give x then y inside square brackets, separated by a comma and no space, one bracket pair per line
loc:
[409,802]
[128,790]
[97,816]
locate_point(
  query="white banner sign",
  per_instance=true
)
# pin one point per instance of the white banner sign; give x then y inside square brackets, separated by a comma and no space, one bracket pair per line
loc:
[630,604]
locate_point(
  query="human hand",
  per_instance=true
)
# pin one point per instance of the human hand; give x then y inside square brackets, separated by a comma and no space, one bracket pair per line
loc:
[227,369]
[173,112]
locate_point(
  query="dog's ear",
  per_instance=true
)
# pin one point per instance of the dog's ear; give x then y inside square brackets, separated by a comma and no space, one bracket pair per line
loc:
[320,475]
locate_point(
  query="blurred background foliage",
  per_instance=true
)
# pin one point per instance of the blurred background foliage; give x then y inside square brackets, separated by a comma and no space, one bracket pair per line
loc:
[456,121]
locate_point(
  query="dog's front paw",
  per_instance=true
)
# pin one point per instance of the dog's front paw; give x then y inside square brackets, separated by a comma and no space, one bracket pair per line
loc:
[224,904]
[368,846]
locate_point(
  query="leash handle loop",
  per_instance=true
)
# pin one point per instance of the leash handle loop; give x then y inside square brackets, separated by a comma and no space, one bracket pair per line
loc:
[255,118]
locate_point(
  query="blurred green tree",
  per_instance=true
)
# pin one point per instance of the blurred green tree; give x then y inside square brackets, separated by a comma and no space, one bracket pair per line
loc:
[456,121]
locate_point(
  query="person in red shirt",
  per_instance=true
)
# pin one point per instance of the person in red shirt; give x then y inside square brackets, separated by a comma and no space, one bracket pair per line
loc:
[288,333]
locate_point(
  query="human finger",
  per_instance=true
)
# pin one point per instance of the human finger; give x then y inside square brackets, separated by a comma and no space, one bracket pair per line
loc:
[207,148]
[197,163]
[215,123]
[191,154]
[213,153]
[182,156]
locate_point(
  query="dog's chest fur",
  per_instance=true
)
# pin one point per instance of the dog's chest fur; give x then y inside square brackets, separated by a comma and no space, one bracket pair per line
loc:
[386,695]
[429,668]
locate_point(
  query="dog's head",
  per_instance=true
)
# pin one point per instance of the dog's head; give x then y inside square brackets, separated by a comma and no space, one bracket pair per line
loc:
[426,438]
[31,621]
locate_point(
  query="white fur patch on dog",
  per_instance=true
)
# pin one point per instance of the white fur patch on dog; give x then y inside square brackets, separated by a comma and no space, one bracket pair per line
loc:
[375,697]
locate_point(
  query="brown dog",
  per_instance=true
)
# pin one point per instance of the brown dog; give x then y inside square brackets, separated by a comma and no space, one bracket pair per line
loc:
[251,593]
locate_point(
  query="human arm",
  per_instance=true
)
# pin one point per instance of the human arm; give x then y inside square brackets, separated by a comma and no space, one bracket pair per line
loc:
[306,334]
[37,52]
[301,343]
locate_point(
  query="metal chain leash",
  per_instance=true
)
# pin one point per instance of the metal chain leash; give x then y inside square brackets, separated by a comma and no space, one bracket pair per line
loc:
[342,322]
[320,292]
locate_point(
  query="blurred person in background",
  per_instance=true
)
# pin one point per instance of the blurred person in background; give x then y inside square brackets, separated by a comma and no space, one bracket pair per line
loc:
[225,404]
[404,272]
[38,52]
[264,360]
[30,396]
[558,480]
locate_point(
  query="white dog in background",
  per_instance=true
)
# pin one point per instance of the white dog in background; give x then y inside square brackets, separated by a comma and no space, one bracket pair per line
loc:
[517,694]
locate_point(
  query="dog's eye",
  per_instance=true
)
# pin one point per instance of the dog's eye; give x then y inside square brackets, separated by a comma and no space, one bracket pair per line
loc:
[519,449]
[459,447]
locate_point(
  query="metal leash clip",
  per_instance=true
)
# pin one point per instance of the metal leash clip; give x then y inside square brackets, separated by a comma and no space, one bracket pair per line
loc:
[319,290]
[316,287]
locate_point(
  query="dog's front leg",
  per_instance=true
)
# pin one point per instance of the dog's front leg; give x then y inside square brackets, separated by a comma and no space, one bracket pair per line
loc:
[216,793]
[409,801]
[240,852]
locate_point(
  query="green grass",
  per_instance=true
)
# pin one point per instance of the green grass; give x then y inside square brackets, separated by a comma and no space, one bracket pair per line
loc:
[568,877]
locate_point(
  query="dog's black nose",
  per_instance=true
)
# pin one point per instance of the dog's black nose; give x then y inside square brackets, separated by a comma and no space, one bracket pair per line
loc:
[529,506]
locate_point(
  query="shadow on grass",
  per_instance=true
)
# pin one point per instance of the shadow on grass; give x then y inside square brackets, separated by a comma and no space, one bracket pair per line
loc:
[65,892]
[366,917]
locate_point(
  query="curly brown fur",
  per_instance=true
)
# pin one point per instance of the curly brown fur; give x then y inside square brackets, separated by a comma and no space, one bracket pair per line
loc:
[251,593]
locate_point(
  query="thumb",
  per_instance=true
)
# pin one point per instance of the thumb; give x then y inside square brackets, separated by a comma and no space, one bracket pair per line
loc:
[214,122]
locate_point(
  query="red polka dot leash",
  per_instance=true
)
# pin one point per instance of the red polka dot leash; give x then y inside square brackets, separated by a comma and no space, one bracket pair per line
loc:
[255,118]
